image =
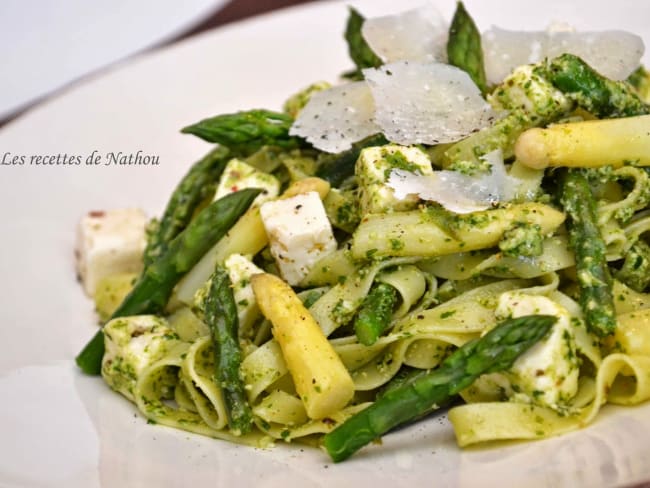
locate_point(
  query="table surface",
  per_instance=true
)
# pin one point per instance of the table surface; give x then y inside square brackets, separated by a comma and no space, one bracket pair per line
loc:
[231,12]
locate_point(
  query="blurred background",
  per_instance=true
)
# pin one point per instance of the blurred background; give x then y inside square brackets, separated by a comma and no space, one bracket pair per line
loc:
[49,45]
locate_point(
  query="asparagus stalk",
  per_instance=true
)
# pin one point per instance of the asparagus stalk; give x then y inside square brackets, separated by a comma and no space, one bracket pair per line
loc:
[195,187]
[464,47]
[640,81]
[596,298]
[375,313]
[152,291]
[406,375]
[336,168]
[358,48]
[587,144]
[221,318]
[635,271]
[495,351]
[592,91]
[638,77]
[322,381]
[247,131]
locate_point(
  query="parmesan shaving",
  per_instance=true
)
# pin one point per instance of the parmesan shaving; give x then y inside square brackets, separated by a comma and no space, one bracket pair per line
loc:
[426,103]
[614,54]
[333,119]
[416,35]
[455,191]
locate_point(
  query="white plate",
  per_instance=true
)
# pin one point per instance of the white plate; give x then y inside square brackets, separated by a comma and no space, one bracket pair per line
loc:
[61,428]
[48,44]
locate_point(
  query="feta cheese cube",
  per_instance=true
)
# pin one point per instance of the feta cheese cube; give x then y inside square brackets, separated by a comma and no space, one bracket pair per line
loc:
[546,374]
[299,234]
[109,242]
[240,270]
[238,175]
[526,88]
[132,344]
[373,169]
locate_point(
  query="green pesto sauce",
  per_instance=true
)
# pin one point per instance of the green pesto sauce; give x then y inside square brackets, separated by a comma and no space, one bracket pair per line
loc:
[635,271]
[470,168]
[397,160]
[522,239]
[297,102]
[396,244]
[346,215]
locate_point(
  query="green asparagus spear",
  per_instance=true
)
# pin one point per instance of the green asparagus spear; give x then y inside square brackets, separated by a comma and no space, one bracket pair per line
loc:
[592,91]
[640,80]
[221,318]
[375,313]
[153,289]
[247,131]
[635,271]
[336,168]
[495,351]
[358,48]
[406,375]
[638,77]
[464,47]
[193,189]
[589,247]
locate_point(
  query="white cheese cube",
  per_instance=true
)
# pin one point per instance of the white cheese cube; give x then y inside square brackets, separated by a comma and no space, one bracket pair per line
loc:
[373,169]
[299,234]
[238,175]
[546,374]
[132,344]
[526,88]
[109,242]
[240,269]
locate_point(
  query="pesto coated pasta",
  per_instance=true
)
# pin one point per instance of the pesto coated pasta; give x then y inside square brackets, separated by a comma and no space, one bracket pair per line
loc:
[380,251]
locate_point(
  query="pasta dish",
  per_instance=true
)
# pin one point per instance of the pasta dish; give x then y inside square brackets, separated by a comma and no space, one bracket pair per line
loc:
[460,222]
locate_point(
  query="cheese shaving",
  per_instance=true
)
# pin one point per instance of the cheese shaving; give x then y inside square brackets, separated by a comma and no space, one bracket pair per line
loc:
[416,35]
[426,103]
[614,54]
[333,119]
[455,191]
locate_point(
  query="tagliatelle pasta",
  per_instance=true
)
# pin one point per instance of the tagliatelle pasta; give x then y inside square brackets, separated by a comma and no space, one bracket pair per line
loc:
[267,334]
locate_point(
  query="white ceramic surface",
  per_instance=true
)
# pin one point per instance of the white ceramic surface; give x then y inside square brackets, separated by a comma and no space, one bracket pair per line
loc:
[46,44]
[60,428]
